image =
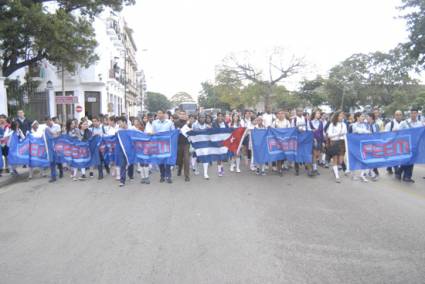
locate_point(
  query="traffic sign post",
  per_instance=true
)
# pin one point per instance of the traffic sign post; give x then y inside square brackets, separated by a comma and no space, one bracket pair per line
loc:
[78,108]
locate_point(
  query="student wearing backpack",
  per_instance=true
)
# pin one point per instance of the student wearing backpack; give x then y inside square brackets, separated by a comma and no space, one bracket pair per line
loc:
[316,125]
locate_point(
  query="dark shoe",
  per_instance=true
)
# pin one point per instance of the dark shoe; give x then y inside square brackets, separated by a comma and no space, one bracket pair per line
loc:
[187,179]
[108,170]
[179,173]
[390,171]
[147,181]
[397,177]
[91,175]
[100,177]
[409,180]
[61,174]
[143,181]
[83,177]
[121,184]
[169,180]
[52,180]
[297,172]
[162,180]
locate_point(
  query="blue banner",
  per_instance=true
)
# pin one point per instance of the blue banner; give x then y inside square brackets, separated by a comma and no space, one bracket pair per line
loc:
[290,144]
[138,147]
[76,153]
[30,151]
[107,148]
[386,149]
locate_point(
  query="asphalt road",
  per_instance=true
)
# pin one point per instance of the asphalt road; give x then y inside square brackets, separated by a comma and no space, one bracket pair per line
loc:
[240,228]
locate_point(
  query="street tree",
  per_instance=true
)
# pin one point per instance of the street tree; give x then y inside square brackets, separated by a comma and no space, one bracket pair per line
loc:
[279,67]
[60,31]
[157,101]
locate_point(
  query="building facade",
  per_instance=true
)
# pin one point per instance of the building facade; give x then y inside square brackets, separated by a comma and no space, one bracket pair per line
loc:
[110,86]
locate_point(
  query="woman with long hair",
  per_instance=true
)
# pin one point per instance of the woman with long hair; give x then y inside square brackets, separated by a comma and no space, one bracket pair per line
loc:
[235,122]
[336,133]
[316,125]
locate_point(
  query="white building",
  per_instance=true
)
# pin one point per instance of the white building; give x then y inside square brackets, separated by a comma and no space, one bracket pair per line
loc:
[110,86]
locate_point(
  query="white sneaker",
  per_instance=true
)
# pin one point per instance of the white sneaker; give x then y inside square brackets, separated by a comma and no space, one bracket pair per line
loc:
[206,177]
[364,179]
[238,170]
[232,168]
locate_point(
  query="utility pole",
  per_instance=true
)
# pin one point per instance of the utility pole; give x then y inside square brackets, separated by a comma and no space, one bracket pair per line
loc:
[63,94]
[125,81]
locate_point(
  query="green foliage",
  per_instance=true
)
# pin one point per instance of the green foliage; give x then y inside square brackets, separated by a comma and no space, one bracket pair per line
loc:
[313,91]
[415,19]
[29,32]
[157,101]
[208,98]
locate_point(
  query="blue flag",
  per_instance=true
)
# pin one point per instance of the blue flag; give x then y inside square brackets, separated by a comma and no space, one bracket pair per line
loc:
[386,149]
[139,147]
[30,151]
[274,144]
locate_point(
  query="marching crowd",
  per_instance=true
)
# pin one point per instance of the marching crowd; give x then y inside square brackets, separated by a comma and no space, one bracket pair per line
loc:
[328,151]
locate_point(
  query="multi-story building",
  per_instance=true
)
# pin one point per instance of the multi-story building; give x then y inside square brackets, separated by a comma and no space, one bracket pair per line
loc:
[109,86]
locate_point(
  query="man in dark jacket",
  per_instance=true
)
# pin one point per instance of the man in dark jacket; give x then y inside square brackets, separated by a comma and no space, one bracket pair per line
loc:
[183,155]
[24,123]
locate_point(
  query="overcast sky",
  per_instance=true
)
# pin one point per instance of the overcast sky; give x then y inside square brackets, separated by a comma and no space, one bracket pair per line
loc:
[181,41]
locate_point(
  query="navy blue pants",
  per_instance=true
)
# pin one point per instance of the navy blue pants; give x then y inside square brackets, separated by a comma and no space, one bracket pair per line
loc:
[165,171]
[405,172]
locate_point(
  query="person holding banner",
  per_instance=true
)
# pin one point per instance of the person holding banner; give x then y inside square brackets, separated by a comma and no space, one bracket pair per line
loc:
[360,127]
[35,133]
[235,163]
[316,125]
[200,124]
[163,125]
[84,135]
[261,168]
[4,128]
[301,123]
[124,164]
[281,122]
[247,145]
[183,155]
[405,172]
[394,125]
[336,133]
[373,127]
[220,123]
[98,129]
[54,130]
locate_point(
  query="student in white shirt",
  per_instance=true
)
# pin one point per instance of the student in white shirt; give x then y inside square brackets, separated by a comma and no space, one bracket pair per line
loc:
[360,127]
[394,125]
[268,118]
[247,144]
[236,160]
[336,133]
[281,122]
[200,124]
[35,132]
[301,122]
[405,172]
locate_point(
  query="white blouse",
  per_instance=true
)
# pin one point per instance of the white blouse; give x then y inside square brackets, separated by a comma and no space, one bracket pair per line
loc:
[337,132]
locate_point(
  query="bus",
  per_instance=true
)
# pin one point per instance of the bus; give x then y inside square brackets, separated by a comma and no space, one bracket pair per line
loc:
[188,107]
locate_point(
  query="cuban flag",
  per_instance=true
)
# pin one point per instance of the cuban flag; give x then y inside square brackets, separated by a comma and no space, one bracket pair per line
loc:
[216,144]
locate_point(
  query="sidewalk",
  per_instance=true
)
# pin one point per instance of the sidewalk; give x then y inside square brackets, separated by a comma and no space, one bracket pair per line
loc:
[8,179]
